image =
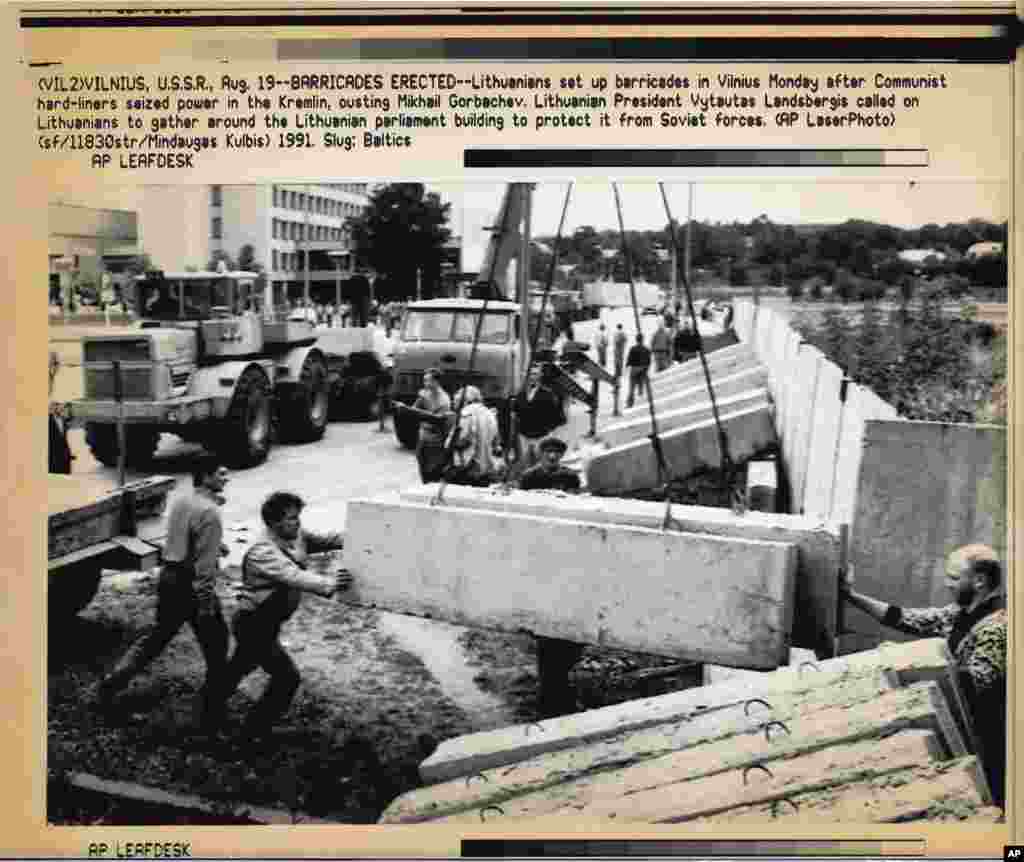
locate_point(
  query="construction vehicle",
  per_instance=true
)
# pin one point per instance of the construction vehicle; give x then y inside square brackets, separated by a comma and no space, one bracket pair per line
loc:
[215,361]
[92,529]
[440,333]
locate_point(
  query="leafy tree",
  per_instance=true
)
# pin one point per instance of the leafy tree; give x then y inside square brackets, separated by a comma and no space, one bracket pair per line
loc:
[402,229]
[795,291]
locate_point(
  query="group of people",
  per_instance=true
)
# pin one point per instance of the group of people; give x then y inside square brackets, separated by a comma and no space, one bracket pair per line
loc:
[470,451]
[275,573]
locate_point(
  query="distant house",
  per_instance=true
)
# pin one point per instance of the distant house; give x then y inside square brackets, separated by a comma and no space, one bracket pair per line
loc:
[920,255]
[984,249]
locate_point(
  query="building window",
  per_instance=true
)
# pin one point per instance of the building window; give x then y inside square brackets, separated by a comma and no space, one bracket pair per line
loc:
[275,228]
[215,229]
[215,196]
[277,196]
[293,200]
[273,257]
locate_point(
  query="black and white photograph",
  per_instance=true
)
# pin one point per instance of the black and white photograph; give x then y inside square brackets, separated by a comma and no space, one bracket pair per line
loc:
[626,502]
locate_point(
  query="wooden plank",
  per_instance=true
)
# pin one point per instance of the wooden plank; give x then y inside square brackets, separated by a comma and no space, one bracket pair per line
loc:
[603,584]
[914,793]
[887,714]
[465,755]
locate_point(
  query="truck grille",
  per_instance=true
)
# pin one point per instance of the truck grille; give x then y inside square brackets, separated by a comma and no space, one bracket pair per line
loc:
[135,350]
[180,378]
[137,383]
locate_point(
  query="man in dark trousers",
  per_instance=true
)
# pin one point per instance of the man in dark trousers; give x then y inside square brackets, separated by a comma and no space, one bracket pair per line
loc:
[619,348]
[975,625]
[60,451]
[539,411]
[186,592]
[430,446]
[359,294]
[555,657]
[274,576]
[638,362]
[685,342]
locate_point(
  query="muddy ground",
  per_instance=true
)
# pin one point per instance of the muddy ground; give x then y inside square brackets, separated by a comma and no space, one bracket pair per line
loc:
[367,713]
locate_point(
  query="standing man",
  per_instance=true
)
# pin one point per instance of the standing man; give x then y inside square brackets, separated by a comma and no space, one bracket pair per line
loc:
[601,346]
[539,411]
[60,450]
[661,347]
[274,576]
[474,441]
[638,362]
[620,350]
[975,626]
[555,657]
[186,592]
[685,342]
[430,452]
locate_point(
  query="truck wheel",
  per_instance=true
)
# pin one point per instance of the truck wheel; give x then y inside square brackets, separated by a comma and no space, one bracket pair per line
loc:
[71,589]
[140,443]
[407,431]
[304,411]
[245,432]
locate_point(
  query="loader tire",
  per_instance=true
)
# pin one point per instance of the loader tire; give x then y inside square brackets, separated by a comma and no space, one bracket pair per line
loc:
[140,443]
[304,410]
[245,432]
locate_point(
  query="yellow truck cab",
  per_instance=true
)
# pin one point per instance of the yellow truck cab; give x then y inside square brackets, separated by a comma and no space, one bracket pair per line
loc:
[438,333]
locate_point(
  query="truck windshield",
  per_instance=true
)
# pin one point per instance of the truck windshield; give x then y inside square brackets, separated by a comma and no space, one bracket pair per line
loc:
[185,299]
[455,326]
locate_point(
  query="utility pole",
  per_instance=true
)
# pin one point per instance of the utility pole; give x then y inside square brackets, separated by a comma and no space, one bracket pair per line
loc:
[526,190]
[305,245]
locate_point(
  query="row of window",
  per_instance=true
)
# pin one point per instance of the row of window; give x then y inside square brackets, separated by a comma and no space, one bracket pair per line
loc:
[281,229]
[314,203]
[287,260]
[287,230]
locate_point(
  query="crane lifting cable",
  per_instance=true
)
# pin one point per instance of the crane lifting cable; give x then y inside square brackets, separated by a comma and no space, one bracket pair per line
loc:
[502,231]
[659,454]
[729,471]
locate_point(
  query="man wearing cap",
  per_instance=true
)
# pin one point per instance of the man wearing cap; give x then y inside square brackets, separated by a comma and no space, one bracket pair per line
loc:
[550,473]
[975,625]
[555,657]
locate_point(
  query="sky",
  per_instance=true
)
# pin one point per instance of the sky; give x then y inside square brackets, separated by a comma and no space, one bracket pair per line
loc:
[475,206]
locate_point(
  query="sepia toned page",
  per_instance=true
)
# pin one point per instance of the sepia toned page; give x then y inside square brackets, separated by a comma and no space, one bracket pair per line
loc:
[641,378]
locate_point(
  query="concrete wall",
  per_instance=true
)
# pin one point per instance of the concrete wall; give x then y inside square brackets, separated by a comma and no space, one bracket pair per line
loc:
[911,491]
[924,489]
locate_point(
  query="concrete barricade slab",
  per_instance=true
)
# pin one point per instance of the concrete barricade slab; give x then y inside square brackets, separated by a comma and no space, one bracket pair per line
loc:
[753,378]
[726,600]
[639,427]
[608,792]
[817,542]
[465,755]
[633,467]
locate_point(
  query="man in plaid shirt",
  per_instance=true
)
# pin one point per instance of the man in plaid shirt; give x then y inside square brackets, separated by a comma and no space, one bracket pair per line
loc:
[975,626]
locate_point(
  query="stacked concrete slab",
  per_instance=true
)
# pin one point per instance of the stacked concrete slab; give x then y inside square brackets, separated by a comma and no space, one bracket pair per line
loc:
[817,543]
[849,458]
[724,751]
[727,600]
[632,467]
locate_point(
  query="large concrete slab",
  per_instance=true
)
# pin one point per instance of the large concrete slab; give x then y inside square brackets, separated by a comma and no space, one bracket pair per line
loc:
[691,373]
[836,766]
[918,661]
[755,377]
[639,427]
[823,451]
[817,542]
[541,772]
[924,489]
[703,598]
[605,793]
[633,467]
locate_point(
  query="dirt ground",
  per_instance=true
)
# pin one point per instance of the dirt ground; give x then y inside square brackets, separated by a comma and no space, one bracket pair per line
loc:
[367,714]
